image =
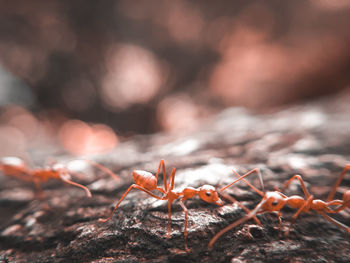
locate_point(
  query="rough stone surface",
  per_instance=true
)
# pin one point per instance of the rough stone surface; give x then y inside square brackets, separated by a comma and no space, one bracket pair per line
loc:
[311,139]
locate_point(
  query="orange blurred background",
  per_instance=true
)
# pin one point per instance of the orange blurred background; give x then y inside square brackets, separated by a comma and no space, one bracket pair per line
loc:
[87,74]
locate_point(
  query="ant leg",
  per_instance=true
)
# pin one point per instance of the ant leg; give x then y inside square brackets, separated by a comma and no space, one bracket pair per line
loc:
[162,164]
[335,187]
[124,195]
[241,178]
[279,215]
[337,223]
[233,200]
[260,180]
[300,179]
[172,179]
[169,217]
[186,221]
[63,178]
[238,222]
[277,189]
[40,194]
[103,168]
[306,205]
[341,205]
[161,190]
[169,188]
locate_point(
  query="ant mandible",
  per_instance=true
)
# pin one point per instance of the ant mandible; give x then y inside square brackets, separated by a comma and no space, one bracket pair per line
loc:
[14,166]
[274,201]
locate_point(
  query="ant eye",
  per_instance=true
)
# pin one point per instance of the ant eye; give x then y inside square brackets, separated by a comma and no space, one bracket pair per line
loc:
[208,194]
[274,203]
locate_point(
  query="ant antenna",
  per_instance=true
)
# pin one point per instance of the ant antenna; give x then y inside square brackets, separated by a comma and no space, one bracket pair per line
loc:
[65,179]
[238,222]
[249,184]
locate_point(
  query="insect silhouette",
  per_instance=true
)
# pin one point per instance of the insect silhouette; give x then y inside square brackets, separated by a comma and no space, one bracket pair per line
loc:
[14,166]
[147,182]
[274,201]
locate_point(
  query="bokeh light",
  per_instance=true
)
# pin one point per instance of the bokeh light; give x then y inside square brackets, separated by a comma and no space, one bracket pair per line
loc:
[123,64]
[134,75]
[13,142]
[79,95]
[184,24]
[78,137]
[21,119]
[331,5]
[180,114]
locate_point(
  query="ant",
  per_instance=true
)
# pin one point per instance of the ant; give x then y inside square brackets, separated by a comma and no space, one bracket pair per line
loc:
[147,182]
[14,166]
[274,201]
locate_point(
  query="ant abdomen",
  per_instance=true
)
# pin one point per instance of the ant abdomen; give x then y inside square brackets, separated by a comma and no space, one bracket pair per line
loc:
[145,179]
[13,166]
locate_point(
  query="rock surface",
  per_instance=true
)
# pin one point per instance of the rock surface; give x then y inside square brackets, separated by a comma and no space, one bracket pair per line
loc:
[311,139]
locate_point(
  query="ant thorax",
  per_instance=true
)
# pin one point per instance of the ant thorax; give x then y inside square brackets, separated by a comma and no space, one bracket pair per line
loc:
[173,195]
[275,201]
[187,193]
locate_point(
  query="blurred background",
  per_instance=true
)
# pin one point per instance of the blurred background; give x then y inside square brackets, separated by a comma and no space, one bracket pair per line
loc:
[84,75]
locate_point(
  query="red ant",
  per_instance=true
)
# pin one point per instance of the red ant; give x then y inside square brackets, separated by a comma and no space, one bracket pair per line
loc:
[14,166]
[146,182]
[274,201]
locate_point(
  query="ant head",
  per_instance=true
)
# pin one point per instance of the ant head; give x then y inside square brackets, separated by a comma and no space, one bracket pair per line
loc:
[209,194]
[57,167]
[275,201]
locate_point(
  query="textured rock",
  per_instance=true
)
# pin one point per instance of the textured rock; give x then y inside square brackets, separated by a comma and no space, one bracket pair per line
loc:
[311,139]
